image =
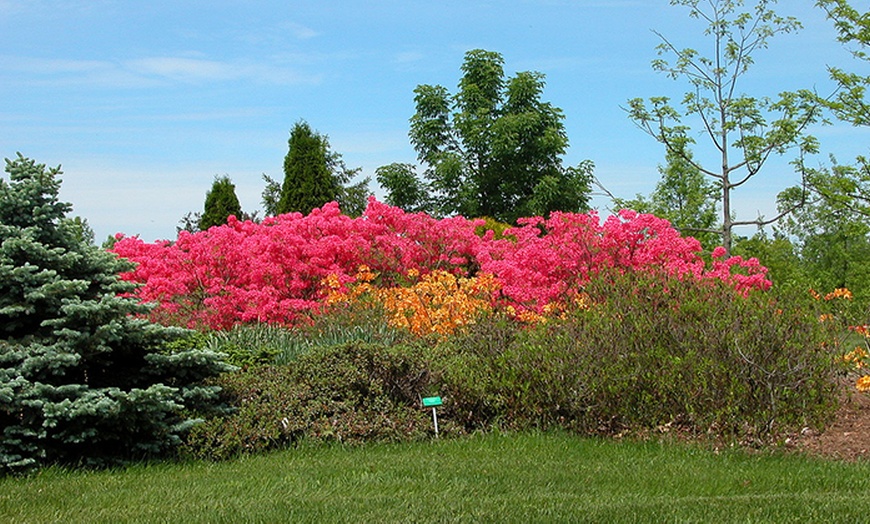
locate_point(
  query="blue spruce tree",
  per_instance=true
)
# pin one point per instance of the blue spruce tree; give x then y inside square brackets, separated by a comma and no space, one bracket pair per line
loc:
[84,378]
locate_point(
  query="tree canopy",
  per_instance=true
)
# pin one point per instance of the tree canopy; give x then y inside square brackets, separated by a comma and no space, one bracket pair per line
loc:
[492,149]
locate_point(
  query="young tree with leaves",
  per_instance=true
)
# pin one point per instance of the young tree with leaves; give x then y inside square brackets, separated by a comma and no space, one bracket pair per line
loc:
[850,103]
[832,228]
[83,378]
[494,148]
[846,187]
[404,189]
[744,130]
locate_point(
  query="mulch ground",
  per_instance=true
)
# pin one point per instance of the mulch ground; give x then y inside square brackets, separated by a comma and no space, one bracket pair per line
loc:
[848,438]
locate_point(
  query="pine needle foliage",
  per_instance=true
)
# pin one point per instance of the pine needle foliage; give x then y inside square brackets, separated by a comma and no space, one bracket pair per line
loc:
[84,379]
[220,202]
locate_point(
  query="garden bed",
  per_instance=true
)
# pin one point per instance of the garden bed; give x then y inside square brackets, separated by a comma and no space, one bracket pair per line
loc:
[848,437]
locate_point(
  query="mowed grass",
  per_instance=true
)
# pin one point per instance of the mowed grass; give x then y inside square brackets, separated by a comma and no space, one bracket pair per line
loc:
[549,477]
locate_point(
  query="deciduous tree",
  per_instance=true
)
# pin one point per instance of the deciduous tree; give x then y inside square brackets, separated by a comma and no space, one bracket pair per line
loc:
[404,189]
[744,131]
[832,229]
[494,148]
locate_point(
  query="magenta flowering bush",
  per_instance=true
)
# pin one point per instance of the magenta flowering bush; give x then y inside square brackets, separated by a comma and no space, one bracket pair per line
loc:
[274,271]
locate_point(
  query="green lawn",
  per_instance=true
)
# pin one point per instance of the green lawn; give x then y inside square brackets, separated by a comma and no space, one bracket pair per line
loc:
[491,478]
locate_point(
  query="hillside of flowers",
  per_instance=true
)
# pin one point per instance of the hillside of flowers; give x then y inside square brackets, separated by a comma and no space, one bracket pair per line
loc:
[291,266]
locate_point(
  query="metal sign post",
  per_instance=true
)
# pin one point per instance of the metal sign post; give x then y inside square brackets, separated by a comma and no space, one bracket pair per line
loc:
[433,402]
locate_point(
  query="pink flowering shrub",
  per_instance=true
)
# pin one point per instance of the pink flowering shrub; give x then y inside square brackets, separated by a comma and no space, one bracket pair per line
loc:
[275,271]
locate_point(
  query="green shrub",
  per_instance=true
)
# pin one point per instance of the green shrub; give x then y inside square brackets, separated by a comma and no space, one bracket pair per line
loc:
[497,228]
[649,352]
[348,393]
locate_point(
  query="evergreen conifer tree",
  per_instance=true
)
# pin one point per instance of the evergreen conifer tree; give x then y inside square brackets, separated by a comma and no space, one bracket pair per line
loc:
[83,378]
[308,180]
[220,202]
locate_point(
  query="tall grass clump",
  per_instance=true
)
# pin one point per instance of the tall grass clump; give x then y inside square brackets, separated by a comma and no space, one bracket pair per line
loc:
[260,344]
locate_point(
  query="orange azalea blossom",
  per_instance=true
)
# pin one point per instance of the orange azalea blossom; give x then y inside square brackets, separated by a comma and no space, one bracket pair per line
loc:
[864,330]
[439,303]
[856,357]
[863,384]
[815,294]
[826,317]
[839,293]
[337,293]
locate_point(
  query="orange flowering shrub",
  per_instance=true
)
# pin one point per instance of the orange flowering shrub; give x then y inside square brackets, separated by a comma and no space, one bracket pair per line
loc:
[437,303]
[855,360]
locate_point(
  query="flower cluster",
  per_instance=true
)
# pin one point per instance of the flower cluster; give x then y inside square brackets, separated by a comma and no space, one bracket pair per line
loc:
[281,269]
[439,303]
[857,360]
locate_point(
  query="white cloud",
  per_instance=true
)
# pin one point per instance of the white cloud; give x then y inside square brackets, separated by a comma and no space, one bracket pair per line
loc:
[300,31]
[185,69]
[147,71]
[408,56]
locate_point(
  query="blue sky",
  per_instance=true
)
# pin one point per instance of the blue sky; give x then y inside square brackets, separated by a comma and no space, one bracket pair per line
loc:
[143,103]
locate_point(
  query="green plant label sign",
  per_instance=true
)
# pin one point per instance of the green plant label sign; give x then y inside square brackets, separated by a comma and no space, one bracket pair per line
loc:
[431,402]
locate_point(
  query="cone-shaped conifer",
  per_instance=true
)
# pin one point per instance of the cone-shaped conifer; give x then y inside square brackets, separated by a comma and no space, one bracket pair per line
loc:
[83,378]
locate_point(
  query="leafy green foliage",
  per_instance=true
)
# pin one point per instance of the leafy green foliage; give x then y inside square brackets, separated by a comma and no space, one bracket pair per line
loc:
[831,228]
[220,202]
[492,149]
[744,130]
[404,189]
[641,352]
[853,28]
[830,224]
[348,393]
[648,352]
[782,258]
[497,228]
[82,378]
